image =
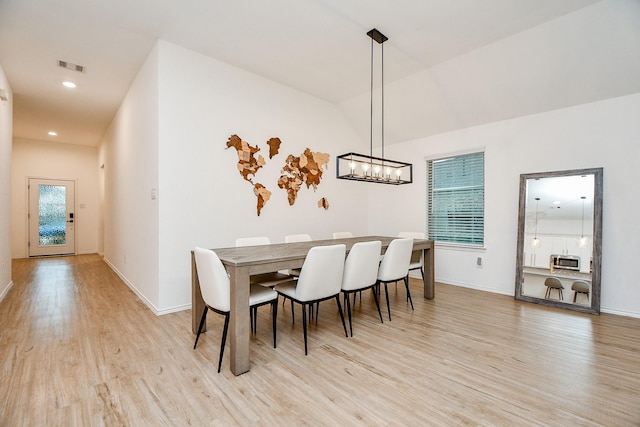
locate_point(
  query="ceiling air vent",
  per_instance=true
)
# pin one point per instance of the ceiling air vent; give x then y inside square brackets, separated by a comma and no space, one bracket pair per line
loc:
[71,66]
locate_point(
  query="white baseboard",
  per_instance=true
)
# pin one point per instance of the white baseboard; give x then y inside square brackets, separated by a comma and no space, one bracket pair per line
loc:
[620,313]
[6,290]
[476,287]
[142,298]
[135,290]
[482,288]
[175,309]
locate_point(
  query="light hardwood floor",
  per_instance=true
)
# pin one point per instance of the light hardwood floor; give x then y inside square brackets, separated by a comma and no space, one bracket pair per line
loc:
[79,349]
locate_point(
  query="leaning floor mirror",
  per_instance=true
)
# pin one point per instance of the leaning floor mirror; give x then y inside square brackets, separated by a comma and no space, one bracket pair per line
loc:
[560,239]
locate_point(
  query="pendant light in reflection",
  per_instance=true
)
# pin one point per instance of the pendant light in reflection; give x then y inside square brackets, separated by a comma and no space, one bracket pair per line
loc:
[536,242]
[583,241]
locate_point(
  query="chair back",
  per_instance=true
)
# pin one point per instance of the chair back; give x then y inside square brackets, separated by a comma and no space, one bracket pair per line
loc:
[342,234]
[252,241]
[580,286]
[214,281]
[416,256]
[321,273]
[554,283]
[412,234]
[395,263]
[292,238]
[361,266]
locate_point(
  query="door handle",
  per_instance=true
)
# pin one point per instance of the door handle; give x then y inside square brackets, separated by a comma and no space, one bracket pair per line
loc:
[70,220]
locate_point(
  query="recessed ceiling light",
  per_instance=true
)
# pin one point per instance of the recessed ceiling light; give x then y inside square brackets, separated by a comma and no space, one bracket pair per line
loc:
[52,133]
[69,84]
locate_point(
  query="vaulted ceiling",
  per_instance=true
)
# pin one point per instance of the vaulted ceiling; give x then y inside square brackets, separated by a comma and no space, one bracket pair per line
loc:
[449,64]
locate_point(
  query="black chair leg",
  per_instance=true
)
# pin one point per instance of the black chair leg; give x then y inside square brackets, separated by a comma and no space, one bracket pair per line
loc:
[342,316]
[255,320]
[406,285]
[274,315]
[386,293]
[253,314]
[348,307]
[203,319]
[293,316]
[375,298]
[304,326]
[224,339]
[313,312]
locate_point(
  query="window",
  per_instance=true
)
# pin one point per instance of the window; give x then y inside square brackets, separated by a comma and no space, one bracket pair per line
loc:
[455,199]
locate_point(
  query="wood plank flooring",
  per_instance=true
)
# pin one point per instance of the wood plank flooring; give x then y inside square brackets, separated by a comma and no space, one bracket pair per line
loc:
[77,348]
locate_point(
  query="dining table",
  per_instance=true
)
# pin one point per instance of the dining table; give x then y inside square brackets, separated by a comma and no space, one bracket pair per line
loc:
[243,262]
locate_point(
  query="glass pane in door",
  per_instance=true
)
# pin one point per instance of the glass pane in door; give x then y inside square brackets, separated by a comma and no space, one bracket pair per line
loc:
[52,215]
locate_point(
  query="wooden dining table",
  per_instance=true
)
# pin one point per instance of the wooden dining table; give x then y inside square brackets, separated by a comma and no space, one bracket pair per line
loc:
[243,262]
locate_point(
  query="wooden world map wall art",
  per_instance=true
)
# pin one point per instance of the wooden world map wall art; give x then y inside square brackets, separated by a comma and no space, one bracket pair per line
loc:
[306,170]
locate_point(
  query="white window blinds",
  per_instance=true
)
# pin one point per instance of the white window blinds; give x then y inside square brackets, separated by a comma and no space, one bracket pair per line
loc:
[455,199]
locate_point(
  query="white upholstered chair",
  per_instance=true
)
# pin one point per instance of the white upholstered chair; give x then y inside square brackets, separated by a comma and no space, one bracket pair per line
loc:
[361,273]
[252,241]
[292,238]
[320,279]
[265,279]
[216,293]
[417,260]
[395,266]
[342,234]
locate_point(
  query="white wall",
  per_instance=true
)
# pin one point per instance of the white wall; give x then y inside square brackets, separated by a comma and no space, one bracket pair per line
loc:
[129,153]
[201,197]
[46,159]
[6,129]
[601,134]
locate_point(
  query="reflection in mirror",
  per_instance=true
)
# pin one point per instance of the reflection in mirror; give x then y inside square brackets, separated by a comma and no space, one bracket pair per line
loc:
[559,235]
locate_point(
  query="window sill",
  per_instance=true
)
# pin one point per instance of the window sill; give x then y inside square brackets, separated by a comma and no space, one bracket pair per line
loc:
[460,247]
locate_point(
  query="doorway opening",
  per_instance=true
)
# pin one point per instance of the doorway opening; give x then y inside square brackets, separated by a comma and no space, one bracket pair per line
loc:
[51,217]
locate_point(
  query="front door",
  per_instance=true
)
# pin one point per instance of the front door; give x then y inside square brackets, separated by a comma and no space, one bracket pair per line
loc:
[51,217]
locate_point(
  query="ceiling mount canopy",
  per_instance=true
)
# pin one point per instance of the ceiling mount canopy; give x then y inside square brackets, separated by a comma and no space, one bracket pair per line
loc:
[362,167]
[377,36]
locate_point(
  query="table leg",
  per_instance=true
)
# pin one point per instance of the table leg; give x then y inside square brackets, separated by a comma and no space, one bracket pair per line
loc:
[239,320]
[197,303]
[429,276]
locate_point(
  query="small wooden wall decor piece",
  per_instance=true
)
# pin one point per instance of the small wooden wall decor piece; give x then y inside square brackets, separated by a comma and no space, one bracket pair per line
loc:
[323,203]
[274,146]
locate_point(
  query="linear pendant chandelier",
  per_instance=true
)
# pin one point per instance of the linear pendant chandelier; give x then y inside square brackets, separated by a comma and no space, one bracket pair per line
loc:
[360,167]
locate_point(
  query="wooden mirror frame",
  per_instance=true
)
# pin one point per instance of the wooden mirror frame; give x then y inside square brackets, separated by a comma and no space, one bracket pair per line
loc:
[597,240]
